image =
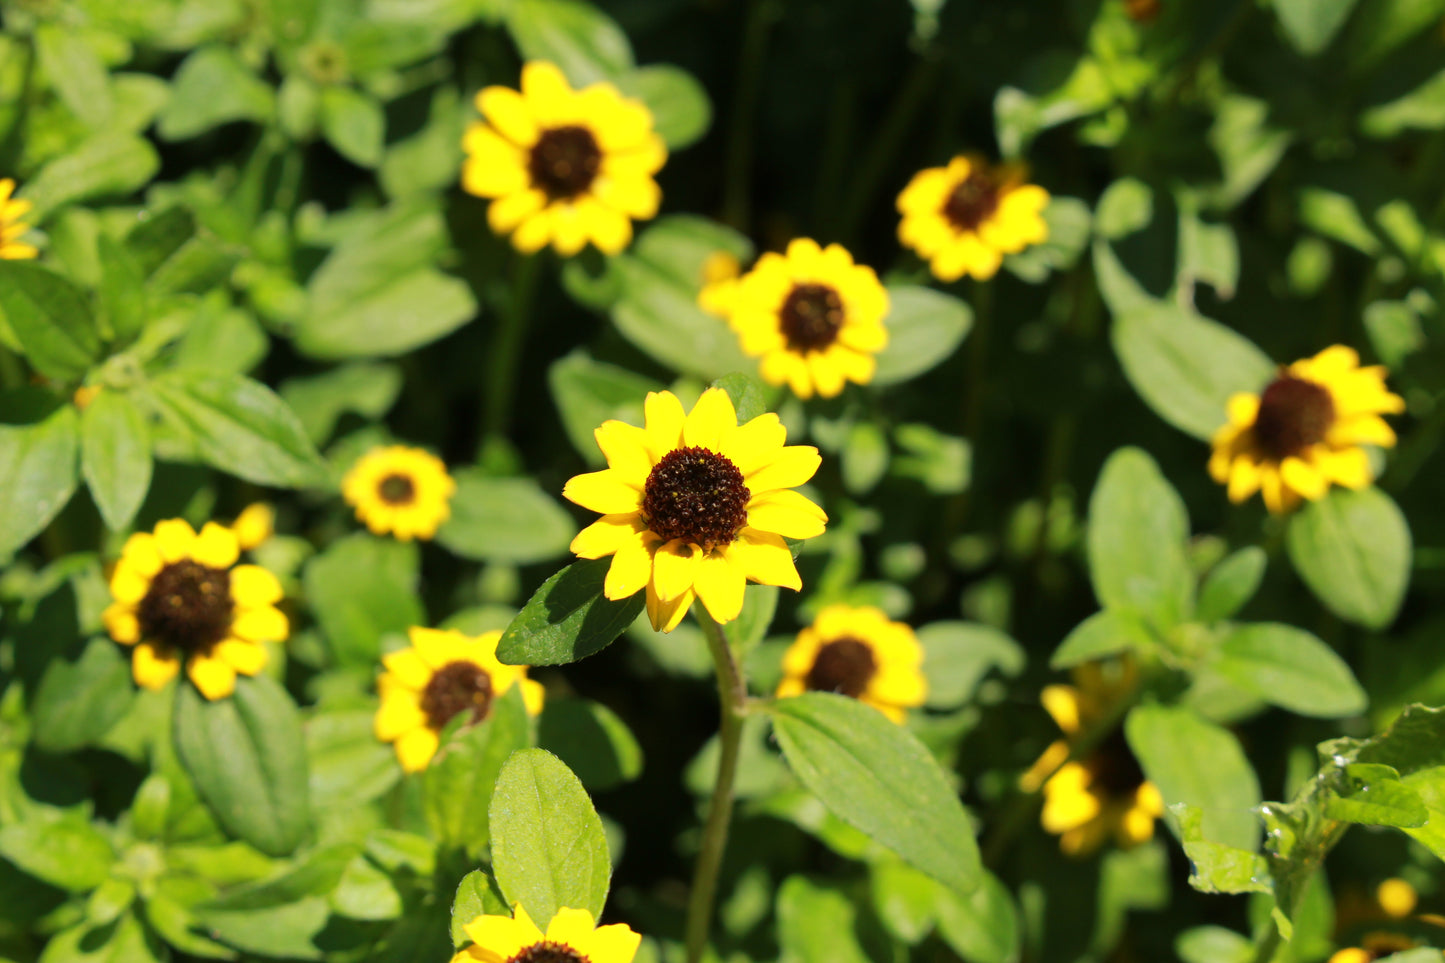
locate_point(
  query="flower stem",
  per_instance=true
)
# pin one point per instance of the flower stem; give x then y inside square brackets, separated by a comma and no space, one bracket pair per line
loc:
[732,692]
[503,359]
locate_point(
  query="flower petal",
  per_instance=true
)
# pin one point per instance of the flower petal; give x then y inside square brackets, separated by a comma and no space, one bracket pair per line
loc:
[216,546]
[625,447]
[665,615]
[786,513]
[213,676]
[252,585]
[606,535]
[765,558]
[152,667]
[630,570]
[415,748]
[792,466]
[399,714]
[674,568]
[711,422]
[665,418]
[605,491]
[719,583]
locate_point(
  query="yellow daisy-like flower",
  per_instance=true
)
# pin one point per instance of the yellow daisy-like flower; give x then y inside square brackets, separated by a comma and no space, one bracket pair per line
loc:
[404,491]
[572,937]
[860,653]
[1105,792]
[563,166]
[963,218]
[695,505]
[812,315]
[1304,430]
[442,674]
[180,596]
[12,228]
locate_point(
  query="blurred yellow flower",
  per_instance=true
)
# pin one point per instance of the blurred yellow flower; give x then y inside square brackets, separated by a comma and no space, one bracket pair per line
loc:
[1303,432]
[563,166]
[443,673]
[180,596]
[255,524]
[859,653]
[694,505]
[404,491]
[12,228]
[963,218]
[572,937]
[1374,946]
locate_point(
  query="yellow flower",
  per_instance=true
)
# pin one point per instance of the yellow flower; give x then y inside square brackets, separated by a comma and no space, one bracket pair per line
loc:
[963,218]
[694,505]
[11,227]
[179,595]
[255,524]
[720,272]
[1304,431]
[814,317]
[400,490]
[861,654]
[572,937]
[563,166]
[1105,792]
[1374,946]
[443,673]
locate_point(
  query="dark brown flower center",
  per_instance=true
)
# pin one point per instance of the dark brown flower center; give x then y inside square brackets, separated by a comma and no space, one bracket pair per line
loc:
[973,201]
[1114,771]
[397,490]
[1143,11]
[696,495]
[843,665]
[187,607]
[456,687]
[548,952]
[1293,415]
[811,317]
[564,161]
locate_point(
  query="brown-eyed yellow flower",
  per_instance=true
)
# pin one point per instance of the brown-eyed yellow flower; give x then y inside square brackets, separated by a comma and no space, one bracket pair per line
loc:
[1303,432]
[563,166]
[859,653]
[572,937]
[404,491]
[12,228]
[695,505]
[181,597]
[964,217]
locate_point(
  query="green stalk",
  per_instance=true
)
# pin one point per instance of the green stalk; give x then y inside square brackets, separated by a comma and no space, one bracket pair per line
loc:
[732,693]
[514,315]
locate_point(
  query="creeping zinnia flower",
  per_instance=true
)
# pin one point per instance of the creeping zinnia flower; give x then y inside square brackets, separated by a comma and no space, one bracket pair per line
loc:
[1303,432]
[814,317]
[963,218]
[563,166]
[180,596]
[404,491]
[572,937]
[444,673]
[1105,792]
[859,653]
[694,505]
[11,227]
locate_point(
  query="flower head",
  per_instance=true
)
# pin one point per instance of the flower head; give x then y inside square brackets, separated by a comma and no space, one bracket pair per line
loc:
[180,596]
[963,218]
[563,166]
[859,653]
[1304,430]
[443,674]
[11,227]
[812,315]
[1374,946]
[694,505]
[400,490]
[572,937]
[1104,792]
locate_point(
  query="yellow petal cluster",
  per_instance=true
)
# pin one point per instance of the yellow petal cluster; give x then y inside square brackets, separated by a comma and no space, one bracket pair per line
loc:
[12,228]
[399,490]
[570,933]
[892,679]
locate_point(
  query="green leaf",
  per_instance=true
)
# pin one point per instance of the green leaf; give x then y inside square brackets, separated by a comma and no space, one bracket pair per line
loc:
[1292,669]
[588,392]
[320,400]
[64,850]
[659,314]
[1375,796]
[817,923]
[1125,207]
[121,941]
[76,72]
[681,111]
[982,927]
[360,589]
[1231,584]
[393,318]
[1102,634]
[221,338]
[108,164]
[1186,367]
[1213,944]
[240,426]
[348,766]
[38,472]
[924,327]
[548,848]
[864,458]
[80,698]
[354,124]
[904,898]
[568,618]
[578,37]
[1136,541]
[115,456]
[1194,761]
[1069,223]
[477,895]
[1422,108]
[1353,551]
[504,520]
[957,656]
[591,740]
[746,394]
[123,298]
[211,88]
[1310,25]
[1215,867]
[50,316]
[877,777]
[247,757]
[460,778]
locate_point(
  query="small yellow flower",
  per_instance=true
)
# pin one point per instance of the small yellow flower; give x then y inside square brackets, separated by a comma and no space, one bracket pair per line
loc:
[404,491]
[180,595]
[857,652]
[1374,946]
[1105,792]
[963,218]
[572,937]
[84,395]
[812,315]
[12,228]
[442,674]
[1304,430]
[695,505]
[563,166]
[255,524]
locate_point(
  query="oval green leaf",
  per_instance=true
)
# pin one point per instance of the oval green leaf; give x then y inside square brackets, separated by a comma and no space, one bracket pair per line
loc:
[504,520]
[1292,669]
[1353,551]
[38,471]
[81,697]
[568,618]
[50,317]
[115,456]
[924,328]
